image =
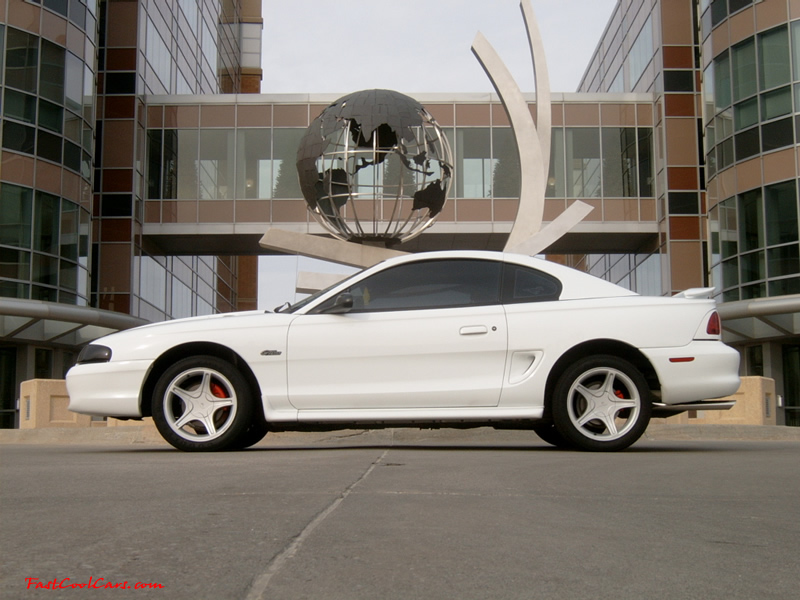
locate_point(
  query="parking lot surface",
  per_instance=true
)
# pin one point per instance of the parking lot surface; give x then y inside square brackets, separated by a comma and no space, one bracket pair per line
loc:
[386,515]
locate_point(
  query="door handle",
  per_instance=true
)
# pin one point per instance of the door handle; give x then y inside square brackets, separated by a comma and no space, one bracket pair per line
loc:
[474,330]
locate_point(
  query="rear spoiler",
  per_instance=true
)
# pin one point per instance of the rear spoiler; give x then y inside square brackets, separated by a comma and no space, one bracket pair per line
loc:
[695,293]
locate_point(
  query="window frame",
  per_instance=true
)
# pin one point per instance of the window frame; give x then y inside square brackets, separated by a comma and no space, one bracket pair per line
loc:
[505,293]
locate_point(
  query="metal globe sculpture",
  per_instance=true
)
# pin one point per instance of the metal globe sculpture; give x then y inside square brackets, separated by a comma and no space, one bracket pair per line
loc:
[375,167]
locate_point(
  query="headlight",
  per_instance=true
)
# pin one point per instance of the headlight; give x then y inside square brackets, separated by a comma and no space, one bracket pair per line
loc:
[94,353]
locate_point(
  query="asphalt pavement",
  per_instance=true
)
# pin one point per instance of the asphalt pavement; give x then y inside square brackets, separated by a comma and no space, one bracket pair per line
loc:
[401,514]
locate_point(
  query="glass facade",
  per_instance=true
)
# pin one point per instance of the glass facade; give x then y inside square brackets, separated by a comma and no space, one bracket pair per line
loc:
[173,287]
[48,119]
[639,272]
[192,49]
[750,111]
[73,75]
[754,245]
[752,106]
[259,163]
[690,163]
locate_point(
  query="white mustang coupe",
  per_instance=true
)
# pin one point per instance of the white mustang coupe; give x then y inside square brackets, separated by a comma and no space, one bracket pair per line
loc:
[440,339]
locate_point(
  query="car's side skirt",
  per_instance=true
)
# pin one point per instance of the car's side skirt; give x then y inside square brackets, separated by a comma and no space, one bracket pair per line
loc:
[417,417]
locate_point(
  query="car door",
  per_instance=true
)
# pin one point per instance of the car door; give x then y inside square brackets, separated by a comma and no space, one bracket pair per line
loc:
[429,334]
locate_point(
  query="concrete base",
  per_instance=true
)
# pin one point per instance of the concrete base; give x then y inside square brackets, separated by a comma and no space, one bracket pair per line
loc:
[43,403]
[755,405]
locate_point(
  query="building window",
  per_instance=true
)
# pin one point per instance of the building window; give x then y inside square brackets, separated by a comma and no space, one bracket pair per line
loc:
[783,260]
[43,363]
[158,55]
[776,103]
[745,82]
[506,172]
[51,76]
[773,58]
[474,168]
[679,81]
[74,82]
[19,106]
[619,162]
[722,81]
[215,166]
[15,215]
[780,202]
[284,172]
[641,52]
[557,178]
[746,144]
[18,137]
[777,134]
[719,11]
[745,114]
[751,225]
[684,203]
[253,163]
[22,60]
[583,162]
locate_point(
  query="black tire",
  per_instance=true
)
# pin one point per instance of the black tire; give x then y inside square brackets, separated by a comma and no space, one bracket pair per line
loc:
[254,434]
[203,404]
[601,403]
[548,433]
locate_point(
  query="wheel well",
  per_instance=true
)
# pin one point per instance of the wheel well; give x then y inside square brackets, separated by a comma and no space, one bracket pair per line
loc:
[592,348]
[163,362]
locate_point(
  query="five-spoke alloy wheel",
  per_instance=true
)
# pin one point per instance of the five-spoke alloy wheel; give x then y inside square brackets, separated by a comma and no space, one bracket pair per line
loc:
[203,403]
[601,403]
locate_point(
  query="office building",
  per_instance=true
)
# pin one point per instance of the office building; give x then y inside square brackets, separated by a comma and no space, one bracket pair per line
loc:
[139,169]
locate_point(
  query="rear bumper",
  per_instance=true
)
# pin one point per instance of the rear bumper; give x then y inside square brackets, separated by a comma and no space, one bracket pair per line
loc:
[701,370]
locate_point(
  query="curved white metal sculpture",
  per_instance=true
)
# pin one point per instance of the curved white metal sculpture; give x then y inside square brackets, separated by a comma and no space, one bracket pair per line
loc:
[533,142]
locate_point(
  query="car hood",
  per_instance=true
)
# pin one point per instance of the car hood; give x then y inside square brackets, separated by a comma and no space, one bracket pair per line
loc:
[150,339]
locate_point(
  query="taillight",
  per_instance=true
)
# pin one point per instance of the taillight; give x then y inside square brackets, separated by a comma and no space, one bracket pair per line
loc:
[714,326]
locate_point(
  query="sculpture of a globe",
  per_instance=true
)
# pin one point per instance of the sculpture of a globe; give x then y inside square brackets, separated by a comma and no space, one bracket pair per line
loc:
[375,166]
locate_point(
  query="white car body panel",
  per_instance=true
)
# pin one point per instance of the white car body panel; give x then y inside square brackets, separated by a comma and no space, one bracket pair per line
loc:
[400,359]
[706,376]
[479,363]
[93,394]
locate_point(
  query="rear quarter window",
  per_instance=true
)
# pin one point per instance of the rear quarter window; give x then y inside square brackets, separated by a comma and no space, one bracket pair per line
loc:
[523,284]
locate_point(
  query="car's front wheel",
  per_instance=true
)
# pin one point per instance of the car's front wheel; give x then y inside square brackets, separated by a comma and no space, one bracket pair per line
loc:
[548,433]
[601,403]
[202,403]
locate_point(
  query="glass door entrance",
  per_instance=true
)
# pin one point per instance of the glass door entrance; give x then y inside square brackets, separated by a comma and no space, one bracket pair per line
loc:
[791,384]
[8,387]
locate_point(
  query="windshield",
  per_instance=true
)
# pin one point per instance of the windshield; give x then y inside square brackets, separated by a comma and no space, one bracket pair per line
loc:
[290,308]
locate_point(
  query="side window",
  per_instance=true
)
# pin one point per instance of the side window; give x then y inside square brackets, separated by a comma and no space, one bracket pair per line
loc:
[529,285]
[429,284]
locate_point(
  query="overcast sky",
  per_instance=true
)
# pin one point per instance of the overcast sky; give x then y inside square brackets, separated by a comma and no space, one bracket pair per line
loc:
[411,46]
[419,46]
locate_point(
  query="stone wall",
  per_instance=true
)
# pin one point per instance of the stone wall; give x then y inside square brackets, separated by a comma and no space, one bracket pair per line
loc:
[755,405]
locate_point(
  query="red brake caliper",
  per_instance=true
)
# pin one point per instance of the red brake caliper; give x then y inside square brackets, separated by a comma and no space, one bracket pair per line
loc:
[217,390]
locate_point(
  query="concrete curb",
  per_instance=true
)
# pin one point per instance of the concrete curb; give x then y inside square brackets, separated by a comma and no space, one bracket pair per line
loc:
[148,435]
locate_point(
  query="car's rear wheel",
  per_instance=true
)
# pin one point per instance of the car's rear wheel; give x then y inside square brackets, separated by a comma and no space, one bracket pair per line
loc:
[202,403]
[601,403]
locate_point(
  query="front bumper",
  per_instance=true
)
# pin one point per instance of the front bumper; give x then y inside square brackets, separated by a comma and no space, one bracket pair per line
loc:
[111,389]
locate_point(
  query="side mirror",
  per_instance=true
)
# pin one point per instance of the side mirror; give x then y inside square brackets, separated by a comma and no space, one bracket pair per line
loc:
[343,304]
